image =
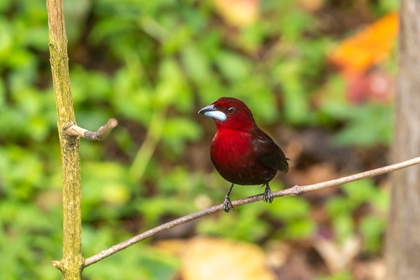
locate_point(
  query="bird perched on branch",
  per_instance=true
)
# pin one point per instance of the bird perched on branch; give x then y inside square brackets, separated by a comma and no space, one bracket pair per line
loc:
[241,152]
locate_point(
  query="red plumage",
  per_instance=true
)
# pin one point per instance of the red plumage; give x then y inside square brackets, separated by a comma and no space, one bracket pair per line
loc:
[241,152]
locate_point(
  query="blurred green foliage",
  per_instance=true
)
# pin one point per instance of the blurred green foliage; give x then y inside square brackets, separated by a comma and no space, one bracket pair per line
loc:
[151,65]
[345,275]
[357,195]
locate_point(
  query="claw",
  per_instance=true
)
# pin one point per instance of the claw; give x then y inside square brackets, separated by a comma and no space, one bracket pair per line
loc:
[268,196]
[227,204]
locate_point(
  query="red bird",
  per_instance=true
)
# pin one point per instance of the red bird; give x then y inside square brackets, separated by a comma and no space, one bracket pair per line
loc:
[241,152]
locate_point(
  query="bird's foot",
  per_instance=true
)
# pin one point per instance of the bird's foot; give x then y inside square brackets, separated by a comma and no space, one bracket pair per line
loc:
[268,196]
[227,204]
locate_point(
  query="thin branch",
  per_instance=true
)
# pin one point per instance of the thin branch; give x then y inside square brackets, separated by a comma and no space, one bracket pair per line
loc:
[291,191]
[103,131]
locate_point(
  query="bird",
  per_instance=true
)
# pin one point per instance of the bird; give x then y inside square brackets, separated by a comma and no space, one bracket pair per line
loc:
[242,153]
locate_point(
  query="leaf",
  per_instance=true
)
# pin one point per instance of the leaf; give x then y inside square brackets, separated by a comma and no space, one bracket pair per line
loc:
[209,259]
[295,96]
[372,229]
[294,23]
[338,206]
[239,13]
[196,63]
[299,229]
[179,130]
[360,191]
[368,125]
[289,208]
[343,227]
[369,47]
[233,66]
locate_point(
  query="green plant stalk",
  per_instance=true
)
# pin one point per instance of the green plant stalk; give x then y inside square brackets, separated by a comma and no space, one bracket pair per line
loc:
[148,147]
[71,264]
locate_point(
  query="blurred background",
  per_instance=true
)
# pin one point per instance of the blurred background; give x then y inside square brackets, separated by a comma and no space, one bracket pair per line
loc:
[318,76]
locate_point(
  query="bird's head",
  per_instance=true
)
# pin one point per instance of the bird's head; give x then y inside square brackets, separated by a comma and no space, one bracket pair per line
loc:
[229,113]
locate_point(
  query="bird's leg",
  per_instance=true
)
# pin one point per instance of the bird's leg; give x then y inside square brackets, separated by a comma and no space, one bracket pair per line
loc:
[268,196]
[227,205]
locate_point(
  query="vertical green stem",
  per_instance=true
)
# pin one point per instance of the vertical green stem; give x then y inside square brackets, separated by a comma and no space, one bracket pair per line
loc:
[147,149]
[72,261]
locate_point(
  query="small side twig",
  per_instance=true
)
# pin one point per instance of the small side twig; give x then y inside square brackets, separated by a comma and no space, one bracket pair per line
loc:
[97,135]
[57,264]
[287,192]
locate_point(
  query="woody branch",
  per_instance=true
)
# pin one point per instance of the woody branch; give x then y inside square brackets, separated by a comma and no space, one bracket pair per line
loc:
[296,190]
[103,131]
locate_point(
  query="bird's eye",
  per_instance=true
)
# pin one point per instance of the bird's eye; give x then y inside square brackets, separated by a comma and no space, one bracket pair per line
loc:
[230,110]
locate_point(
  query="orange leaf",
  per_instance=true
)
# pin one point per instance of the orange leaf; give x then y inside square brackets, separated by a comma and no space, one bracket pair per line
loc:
[369,47]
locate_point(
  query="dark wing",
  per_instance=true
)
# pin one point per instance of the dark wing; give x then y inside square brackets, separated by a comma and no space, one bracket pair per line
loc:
[268,152]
